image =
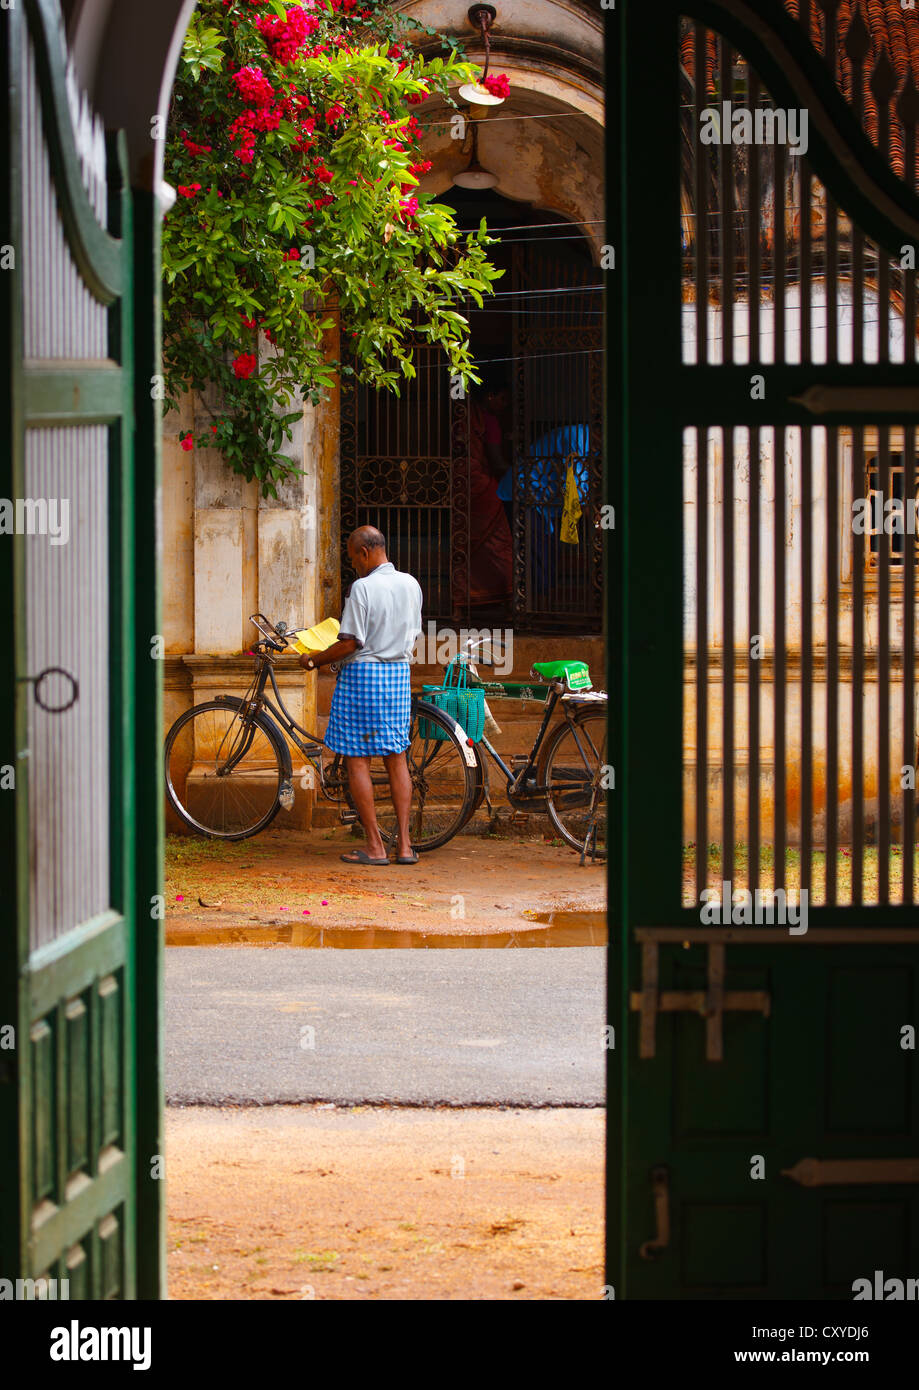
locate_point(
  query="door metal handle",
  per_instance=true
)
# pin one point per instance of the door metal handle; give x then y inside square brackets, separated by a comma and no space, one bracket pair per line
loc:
[660,1188]
[881,400]
[37,681]
[825,1172]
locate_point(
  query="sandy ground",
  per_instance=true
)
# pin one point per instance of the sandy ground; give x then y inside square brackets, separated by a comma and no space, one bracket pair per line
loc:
[299,1202]
[473,885]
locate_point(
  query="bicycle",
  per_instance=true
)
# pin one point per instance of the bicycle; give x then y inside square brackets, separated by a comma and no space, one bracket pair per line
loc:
[229,772]
[565,775]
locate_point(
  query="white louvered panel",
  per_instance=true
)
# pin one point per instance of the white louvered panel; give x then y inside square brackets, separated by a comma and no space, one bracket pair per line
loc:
[67,626]
[61,317]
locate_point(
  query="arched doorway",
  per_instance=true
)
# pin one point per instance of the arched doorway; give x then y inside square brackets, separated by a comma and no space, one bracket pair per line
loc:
[478,520]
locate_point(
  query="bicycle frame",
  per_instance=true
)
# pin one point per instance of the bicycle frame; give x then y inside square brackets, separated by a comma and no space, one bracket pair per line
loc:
[517,780]
[310,745]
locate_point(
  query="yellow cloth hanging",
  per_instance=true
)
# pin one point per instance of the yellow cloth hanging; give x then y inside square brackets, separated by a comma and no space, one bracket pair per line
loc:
[316,639]
[571,511]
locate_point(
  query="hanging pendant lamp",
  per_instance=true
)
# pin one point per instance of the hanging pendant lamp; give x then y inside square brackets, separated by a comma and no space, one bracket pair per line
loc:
[474,176]
[481,17]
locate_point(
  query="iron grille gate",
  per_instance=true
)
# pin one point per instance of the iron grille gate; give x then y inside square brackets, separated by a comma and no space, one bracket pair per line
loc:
[405,464]
[558,423]
[404,470]
[768,679]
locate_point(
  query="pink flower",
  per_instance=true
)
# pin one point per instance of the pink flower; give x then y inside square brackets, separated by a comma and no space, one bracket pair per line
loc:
[292,255]
[188,190]
[192,148]
[187,442]
[253,85]
[498,85]
[244,365]
[285,37]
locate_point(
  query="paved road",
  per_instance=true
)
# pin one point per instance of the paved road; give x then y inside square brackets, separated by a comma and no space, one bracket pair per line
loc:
[463,1027]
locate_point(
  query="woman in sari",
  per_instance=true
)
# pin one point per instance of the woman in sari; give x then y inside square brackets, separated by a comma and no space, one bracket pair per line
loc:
[490,559]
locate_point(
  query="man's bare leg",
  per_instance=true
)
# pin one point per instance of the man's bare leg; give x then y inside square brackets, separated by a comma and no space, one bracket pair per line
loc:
[400,789]
[361,788]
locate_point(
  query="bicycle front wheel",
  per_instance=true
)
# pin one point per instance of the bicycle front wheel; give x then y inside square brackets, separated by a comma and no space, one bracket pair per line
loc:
[223,771]
[444,776]
[574,773]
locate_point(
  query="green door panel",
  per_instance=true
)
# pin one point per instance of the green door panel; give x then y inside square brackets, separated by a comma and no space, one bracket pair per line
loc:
[73,1181]
[763,1096]
[820,1076]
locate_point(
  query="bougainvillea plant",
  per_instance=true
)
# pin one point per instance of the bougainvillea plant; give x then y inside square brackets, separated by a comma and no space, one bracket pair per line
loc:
[293,149]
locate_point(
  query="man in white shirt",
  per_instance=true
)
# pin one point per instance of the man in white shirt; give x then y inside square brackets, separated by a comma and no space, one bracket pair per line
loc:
[371,706]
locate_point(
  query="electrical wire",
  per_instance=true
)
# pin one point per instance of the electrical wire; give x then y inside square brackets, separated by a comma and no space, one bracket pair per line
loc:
[537,226]
[542,116]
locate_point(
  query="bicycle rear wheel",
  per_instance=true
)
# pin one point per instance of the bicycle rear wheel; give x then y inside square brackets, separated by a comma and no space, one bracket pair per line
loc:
[223,772]
[444,778]
[573,775]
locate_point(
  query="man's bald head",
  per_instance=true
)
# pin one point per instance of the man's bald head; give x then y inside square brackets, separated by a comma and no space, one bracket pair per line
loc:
[366,549]
[367,538]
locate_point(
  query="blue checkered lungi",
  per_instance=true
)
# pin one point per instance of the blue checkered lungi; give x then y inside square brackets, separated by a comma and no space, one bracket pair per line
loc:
[371,709]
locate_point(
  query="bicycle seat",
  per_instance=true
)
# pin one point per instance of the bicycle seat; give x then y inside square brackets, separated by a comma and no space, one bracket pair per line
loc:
[574,674]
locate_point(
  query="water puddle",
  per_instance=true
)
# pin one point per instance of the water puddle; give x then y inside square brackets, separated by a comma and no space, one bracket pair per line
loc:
[559,929]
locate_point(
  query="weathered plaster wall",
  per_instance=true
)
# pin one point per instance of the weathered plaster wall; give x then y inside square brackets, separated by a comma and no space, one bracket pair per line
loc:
[231,552]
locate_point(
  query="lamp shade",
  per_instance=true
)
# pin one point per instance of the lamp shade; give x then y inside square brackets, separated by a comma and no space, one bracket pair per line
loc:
[479,96]
[475,177]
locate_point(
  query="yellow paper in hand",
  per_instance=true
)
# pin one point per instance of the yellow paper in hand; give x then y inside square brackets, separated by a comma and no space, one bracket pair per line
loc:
[571,511]
[317,638]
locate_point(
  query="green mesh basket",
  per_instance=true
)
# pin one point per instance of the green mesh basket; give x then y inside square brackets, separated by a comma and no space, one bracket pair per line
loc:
[455,698]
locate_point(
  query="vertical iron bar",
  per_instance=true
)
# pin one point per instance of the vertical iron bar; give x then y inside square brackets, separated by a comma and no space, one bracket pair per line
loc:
[832,279]
[806,801]
[753,692]
[702,197]
[778,686]
[807,653]
[728,443]
[883,672]
[858,668]
[701,660]
[805,194]
[910,490]
[701,233]
[754,214]
[726,209]
[832,657]
[754,292]
[778,284]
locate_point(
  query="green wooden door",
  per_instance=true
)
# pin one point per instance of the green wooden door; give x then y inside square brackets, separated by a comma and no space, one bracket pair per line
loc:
[764,1114]
[69,932]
